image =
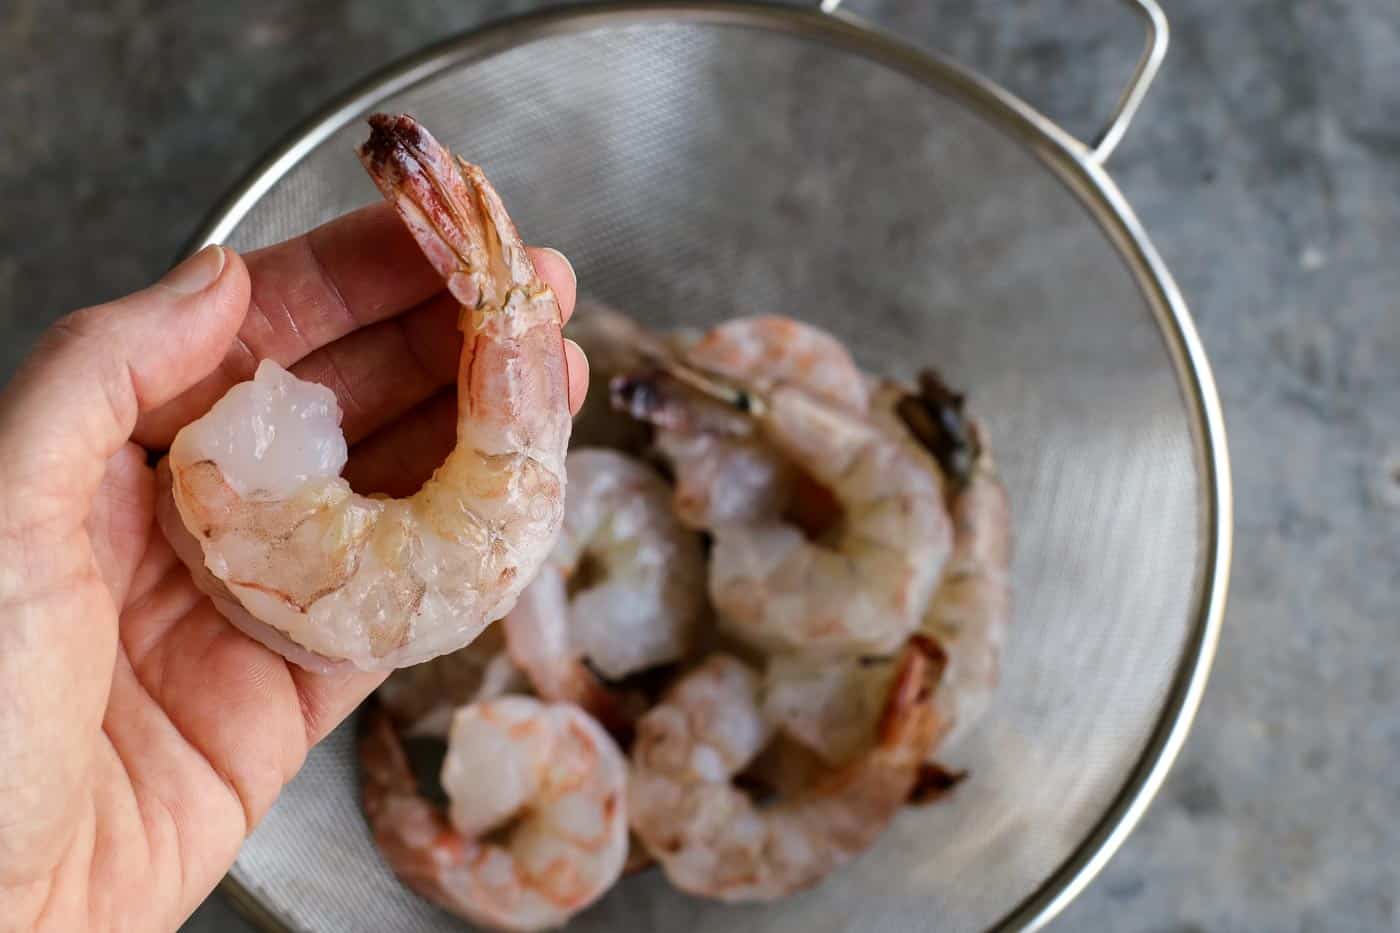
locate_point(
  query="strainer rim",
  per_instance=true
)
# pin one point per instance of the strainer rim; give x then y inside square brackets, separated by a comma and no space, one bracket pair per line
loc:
[1061,153]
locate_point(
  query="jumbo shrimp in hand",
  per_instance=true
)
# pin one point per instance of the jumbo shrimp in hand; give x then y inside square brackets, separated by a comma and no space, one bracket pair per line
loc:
[325,575]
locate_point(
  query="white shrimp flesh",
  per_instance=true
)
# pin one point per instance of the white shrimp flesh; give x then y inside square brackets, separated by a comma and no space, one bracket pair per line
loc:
[375,582]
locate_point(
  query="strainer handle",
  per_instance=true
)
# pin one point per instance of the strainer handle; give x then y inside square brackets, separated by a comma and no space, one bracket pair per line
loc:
[1107,139]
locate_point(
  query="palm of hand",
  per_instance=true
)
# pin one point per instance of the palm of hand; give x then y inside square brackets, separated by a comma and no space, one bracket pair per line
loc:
[201,729]
[143,735]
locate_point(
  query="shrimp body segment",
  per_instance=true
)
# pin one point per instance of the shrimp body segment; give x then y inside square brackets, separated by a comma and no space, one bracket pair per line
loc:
[712,839]
[536,827]
[624,587]
[862,587]
[971,609]
[386,583]
[769,351]
[725,471]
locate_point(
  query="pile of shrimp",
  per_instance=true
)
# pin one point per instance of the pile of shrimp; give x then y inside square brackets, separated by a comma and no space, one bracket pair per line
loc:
[774,597]
[779,593]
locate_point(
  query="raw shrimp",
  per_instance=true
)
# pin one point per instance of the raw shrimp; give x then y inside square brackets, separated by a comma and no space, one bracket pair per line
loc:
[423,697]
[861,586]
[712,839]
[623,587]
[377,582]
[971,609]
[724,472]
[536,826]
[833,707]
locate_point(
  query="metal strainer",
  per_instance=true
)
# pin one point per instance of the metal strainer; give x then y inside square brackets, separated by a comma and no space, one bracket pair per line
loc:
[938,220]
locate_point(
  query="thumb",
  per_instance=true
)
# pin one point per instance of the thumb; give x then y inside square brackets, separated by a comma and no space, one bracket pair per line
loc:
[75,401]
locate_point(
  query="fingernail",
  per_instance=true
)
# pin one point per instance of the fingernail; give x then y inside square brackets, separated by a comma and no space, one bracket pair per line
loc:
[580,362]
[578,355]
[565,260]
[197,273]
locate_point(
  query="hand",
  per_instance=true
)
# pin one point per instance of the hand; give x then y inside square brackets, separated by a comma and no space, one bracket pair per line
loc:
[142,736]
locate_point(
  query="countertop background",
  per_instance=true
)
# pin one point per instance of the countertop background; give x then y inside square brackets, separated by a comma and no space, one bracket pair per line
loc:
[1266,167]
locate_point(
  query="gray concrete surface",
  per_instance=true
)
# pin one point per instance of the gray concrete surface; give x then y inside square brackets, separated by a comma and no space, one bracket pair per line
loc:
[1266,166]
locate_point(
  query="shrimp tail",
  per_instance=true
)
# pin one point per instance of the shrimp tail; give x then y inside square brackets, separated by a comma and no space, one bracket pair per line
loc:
[659,398]
[652,398]
[910,723]
[934,783]
[935,416]
[453,212]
